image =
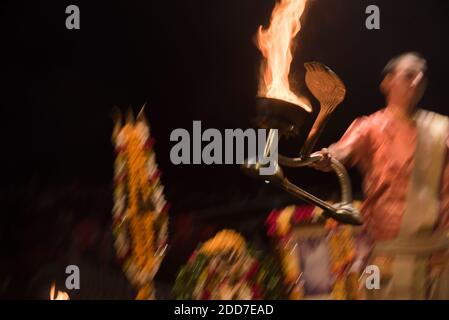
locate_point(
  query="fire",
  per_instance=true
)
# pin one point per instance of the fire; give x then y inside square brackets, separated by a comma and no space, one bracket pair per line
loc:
[60,296]
[275,43]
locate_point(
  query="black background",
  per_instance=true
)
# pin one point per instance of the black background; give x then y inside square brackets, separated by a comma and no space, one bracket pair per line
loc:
[189,60]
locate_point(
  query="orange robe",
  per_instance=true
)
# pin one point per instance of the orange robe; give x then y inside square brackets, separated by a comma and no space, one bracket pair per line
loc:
[382,148]
[406,205]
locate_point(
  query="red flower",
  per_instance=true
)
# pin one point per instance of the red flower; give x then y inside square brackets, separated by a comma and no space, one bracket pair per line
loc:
[271,230]
[252,271]
[273,216]
[303,213]
[120,149]
[205,295]
[149,143]
[271,222]
[192,257]
[257,292]
[283,241]
[166,207]
[120,178]
[155,175]
[124,257]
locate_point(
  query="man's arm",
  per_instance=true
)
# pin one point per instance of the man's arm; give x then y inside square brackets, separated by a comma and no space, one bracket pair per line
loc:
[350,148]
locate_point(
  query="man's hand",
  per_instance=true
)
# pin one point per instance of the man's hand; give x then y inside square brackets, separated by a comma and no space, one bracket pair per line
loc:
[325,163]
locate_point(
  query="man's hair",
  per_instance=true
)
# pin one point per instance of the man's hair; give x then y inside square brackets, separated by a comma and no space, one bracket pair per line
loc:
[393,63]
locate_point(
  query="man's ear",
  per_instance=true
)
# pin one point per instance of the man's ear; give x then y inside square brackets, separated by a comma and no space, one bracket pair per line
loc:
[385,84]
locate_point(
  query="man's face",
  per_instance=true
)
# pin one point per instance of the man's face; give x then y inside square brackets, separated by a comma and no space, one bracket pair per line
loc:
[407,82]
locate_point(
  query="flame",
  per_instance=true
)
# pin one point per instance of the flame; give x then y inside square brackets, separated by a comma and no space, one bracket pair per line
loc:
[60,296]
[275,43]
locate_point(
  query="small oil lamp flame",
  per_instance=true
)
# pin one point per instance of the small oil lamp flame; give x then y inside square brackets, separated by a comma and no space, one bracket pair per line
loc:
[61,295]
[275,44]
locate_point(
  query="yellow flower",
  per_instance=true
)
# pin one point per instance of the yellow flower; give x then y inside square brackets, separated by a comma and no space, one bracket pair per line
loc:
[283,224]
[145,293]
[139,190]
[296,293]
[225,240]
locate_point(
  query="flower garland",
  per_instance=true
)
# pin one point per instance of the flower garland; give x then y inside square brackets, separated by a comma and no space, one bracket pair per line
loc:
[140,216]
[224,268]
[280,224]
[342,255]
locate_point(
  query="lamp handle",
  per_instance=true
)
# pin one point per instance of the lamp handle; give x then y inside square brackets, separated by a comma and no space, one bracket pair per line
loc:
[343,211]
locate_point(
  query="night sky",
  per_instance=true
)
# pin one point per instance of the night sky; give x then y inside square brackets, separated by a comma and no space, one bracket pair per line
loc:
[188,60]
